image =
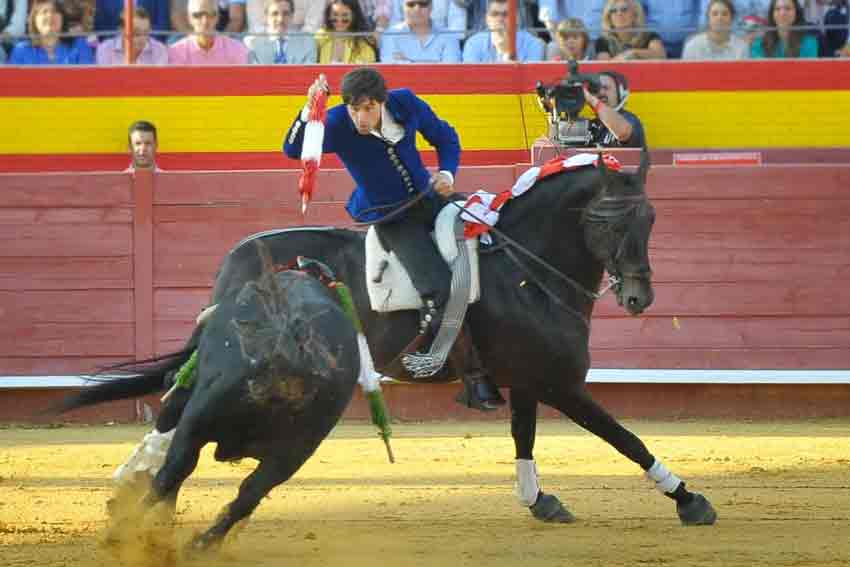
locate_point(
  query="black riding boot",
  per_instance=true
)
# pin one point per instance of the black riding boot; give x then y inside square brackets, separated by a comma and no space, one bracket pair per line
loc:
[478,392]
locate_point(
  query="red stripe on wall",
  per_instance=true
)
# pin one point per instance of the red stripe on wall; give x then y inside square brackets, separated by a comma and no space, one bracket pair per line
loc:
[42,163]
[823,74]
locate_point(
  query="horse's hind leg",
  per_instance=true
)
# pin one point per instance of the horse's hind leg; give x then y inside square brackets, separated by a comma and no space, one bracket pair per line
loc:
[693,508]
[543,506]
[268,474]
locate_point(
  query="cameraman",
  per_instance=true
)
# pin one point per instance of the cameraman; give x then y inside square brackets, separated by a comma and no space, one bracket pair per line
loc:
[612,125]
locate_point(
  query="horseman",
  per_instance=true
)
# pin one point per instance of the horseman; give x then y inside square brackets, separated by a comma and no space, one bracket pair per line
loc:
[374,134]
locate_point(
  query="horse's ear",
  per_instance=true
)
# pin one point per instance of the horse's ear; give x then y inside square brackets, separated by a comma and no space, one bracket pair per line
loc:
[643,168]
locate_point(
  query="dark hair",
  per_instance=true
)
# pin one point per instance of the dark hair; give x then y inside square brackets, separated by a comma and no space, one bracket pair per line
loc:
[358,20]
[362,84]
[622,85]
[141,126]
[138,12]
[729,6]
[771,40]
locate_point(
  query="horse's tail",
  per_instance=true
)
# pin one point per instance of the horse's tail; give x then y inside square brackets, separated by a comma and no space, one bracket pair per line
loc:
[146,377]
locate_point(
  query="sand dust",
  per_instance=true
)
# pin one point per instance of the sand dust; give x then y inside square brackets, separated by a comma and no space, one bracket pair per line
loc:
[782,492]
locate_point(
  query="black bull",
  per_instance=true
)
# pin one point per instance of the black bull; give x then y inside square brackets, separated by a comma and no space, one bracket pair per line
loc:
[531,325]
[277,365]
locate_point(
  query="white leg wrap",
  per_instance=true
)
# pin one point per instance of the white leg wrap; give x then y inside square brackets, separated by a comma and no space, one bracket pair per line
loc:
[664,480]
[527,487]
[369,379]
[148,456]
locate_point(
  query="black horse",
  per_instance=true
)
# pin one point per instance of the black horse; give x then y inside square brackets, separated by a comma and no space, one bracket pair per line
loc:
[277,362]
[531,325]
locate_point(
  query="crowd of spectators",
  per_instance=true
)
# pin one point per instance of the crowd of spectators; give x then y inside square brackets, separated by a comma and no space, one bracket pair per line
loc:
[57,32]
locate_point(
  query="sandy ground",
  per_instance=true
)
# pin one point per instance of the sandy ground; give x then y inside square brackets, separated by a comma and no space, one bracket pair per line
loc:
[782,492]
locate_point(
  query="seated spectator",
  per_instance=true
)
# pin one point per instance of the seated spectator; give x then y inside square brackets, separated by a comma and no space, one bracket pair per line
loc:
[743,9]
[785,36]
[477,13]
[589,12]
[13,23]
[44,47]
[309,15]
[336,42]
[674,20]
[571,43]
[377,13]
[231,16]
[718,41]
[624,33]
[281,47]
[491,46]
[107,14]
[416,40]
[147,51]
[831,18]
[205,46]
[450,15]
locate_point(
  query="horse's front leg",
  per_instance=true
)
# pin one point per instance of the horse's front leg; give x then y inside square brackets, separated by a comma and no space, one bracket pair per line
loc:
[576,403]
[544,507]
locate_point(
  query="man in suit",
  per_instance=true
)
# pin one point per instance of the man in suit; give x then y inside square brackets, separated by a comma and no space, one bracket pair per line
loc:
[280,46]
[374,135]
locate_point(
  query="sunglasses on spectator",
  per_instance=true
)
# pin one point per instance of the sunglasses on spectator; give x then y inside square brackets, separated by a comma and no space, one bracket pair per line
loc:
[620,9]
[199,15]
[420,3]
[340,17]
[498,14]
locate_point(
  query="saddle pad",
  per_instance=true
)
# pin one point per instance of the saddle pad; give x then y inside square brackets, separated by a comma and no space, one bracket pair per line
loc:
[395,291]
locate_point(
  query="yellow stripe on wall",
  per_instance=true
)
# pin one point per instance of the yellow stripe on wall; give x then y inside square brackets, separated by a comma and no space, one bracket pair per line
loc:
[484,122]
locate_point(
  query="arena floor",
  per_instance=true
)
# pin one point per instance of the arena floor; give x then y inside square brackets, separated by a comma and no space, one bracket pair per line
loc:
[782,492]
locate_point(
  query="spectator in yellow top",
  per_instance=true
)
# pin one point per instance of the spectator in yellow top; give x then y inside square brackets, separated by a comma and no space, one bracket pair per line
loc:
[335,41]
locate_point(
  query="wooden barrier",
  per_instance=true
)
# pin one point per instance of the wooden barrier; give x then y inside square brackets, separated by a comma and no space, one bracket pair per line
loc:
[750,261]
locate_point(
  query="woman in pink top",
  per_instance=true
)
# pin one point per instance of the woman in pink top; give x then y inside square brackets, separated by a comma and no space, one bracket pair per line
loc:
[205,46]
[147,51]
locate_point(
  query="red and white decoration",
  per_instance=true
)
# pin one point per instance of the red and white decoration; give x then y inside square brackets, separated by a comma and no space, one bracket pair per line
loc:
[485,206]
[311,149]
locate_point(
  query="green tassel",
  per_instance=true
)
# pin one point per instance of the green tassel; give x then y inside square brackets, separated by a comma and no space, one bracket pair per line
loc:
[380,418]
[348,304]
[186,375]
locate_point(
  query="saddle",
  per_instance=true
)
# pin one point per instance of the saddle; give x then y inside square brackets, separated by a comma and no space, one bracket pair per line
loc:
[389,286]
[391,289]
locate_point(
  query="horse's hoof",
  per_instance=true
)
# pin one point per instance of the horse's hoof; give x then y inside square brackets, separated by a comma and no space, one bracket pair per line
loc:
[549,509]
[698,512]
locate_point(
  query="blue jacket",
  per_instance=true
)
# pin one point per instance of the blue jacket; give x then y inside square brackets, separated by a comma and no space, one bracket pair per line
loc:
[369,159]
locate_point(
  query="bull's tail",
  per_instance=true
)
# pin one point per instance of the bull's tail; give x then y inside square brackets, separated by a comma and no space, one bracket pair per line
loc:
[145,377]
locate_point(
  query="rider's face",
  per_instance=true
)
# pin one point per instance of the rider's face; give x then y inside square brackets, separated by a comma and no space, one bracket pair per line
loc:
[366,115]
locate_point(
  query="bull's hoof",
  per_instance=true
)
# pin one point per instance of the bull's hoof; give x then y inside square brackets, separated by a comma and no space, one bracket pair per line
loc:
[201,544]
[549,509]
[698,512]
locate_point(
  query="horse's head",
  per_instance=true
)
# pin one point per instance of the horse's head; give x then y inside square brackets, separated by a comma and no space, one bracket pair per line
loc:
[618,222]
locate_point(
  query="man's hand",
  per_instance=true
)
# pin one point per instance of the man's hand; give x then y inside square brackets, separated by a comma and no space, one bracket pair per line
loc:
[591,99]
[443,184]
[320,83]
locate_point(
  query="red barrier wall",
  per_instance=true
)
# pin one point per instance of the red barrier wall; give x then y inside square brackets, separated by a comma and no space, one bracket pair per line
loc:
[751,261]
